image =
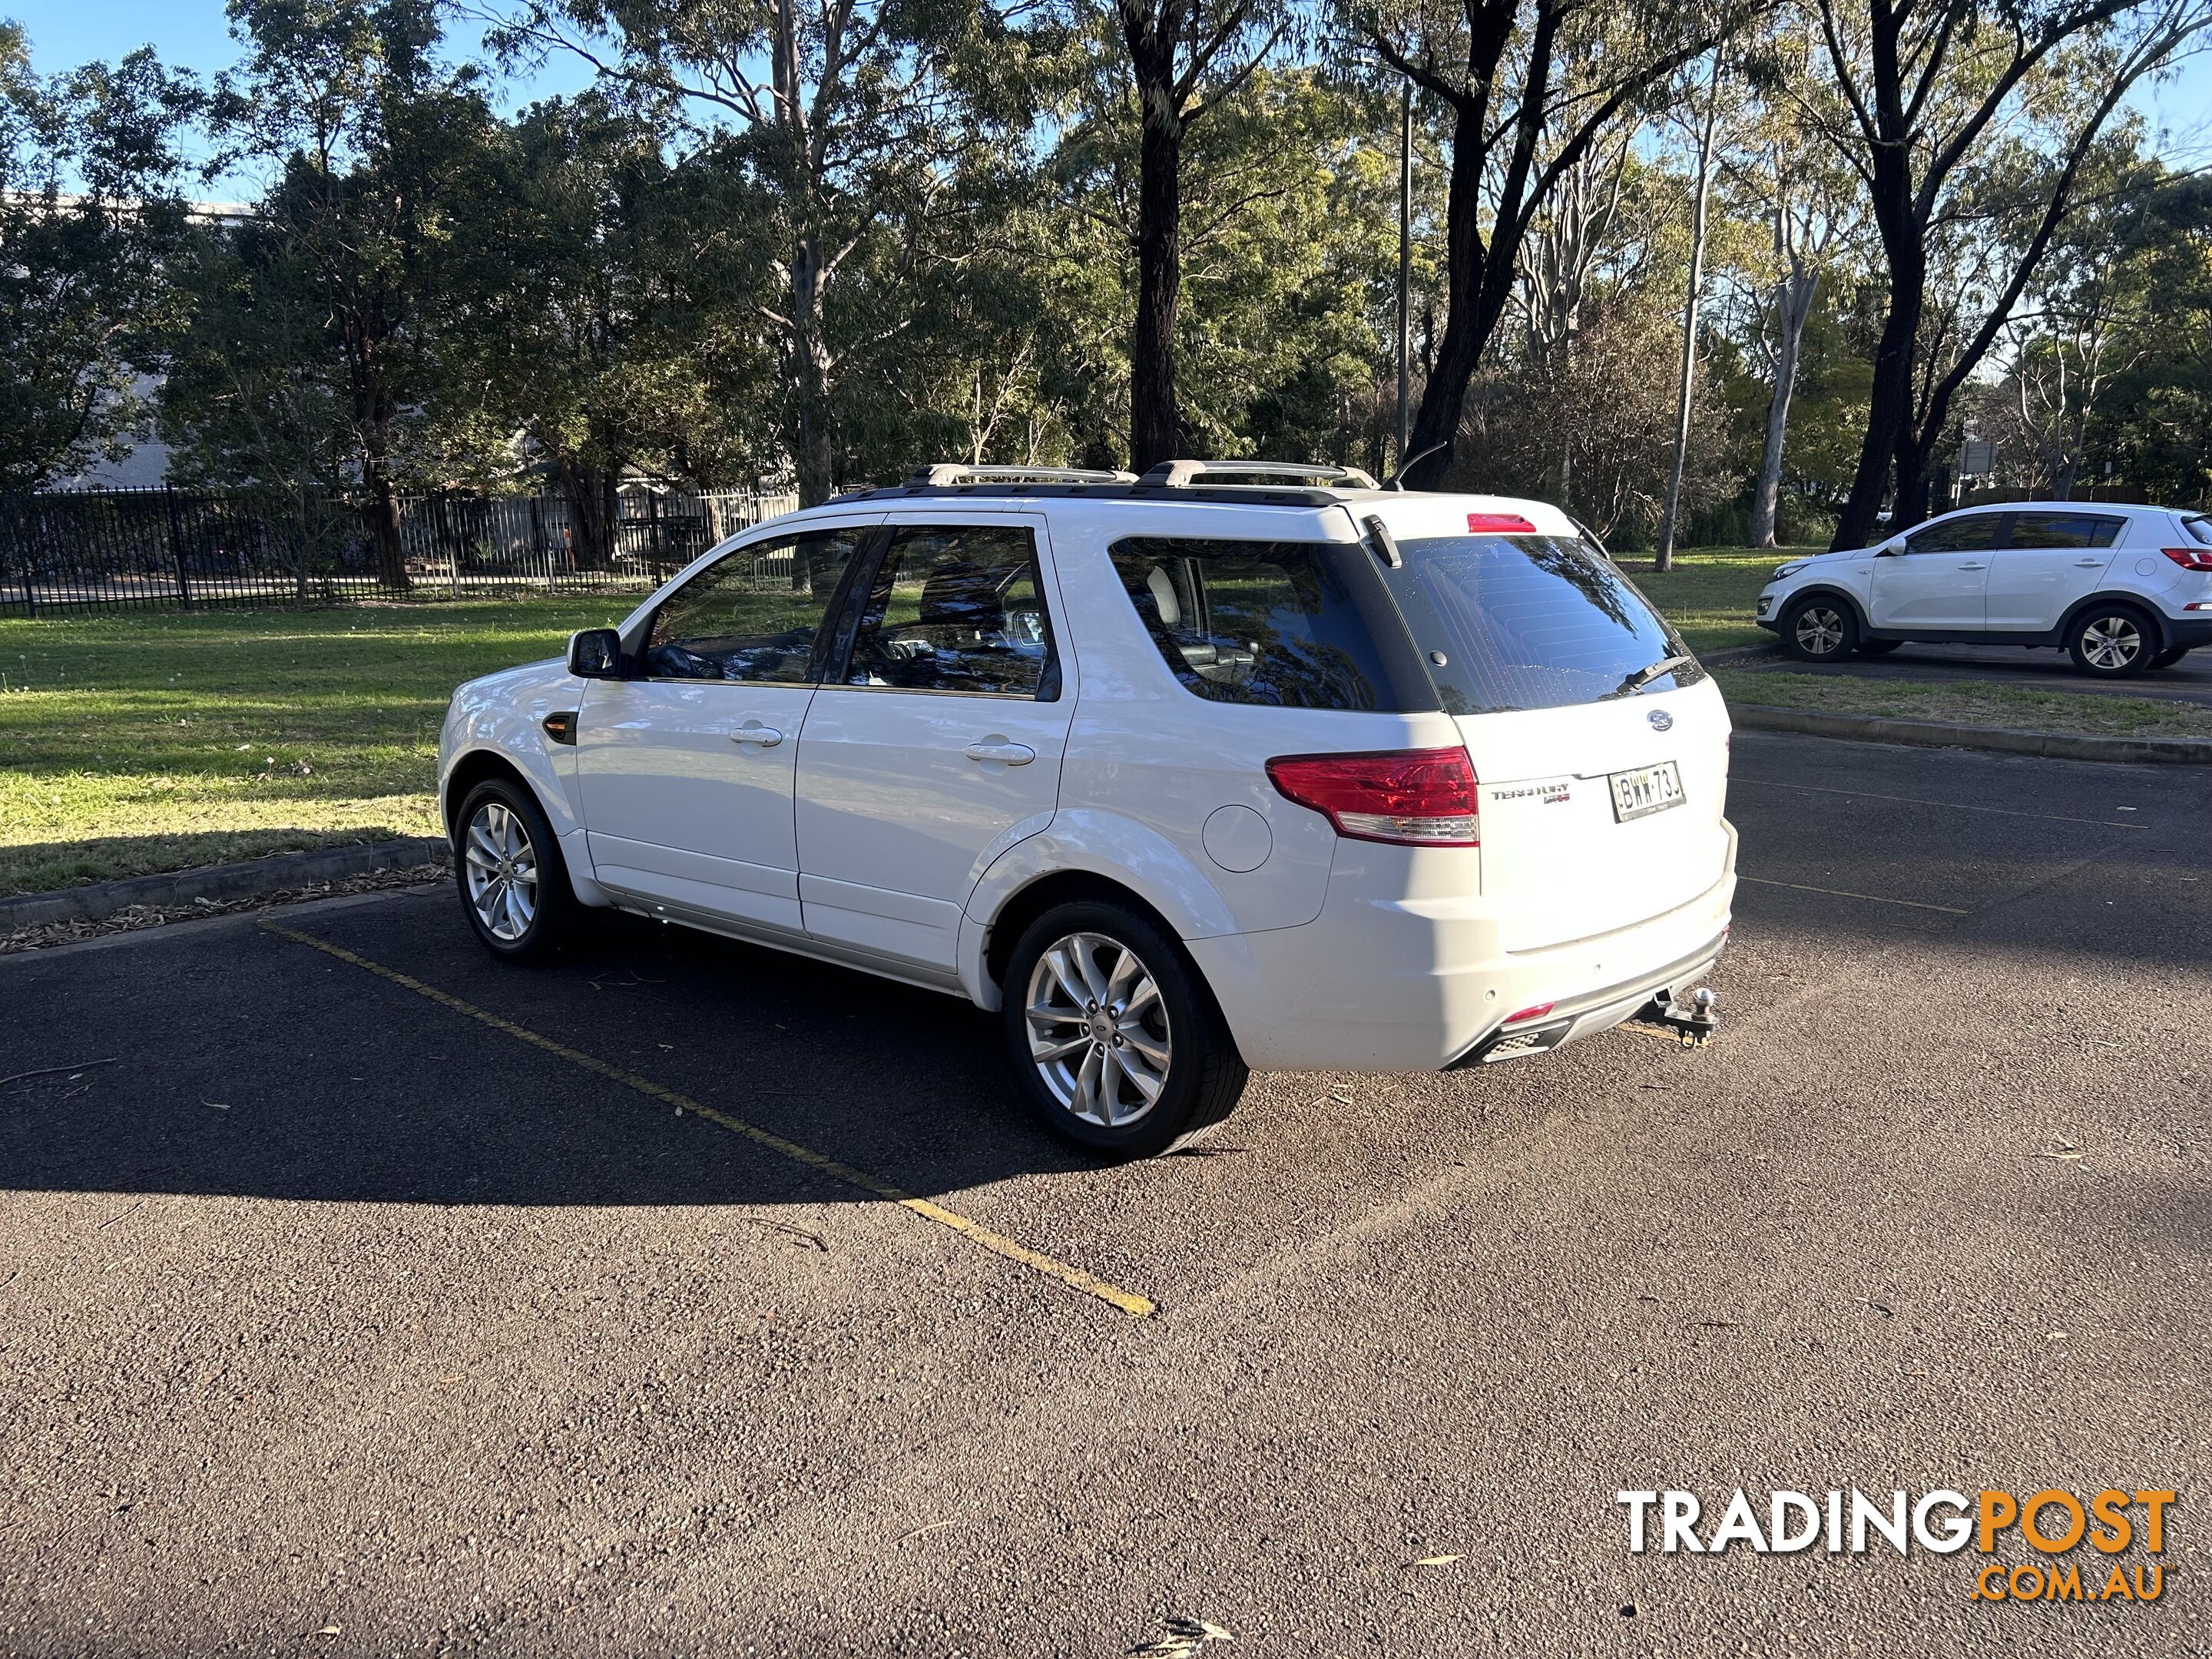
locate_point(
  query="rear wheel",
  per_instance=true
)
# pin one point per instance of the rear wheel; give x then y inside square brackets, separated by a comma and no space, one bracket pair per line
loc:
[2111,642]
[1819,629]
[513,879]
[1114,1037]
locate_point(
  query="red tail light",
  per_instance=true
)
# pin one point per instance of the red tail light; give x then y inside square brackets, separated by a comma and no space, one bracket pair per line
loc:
[1499,524]
[1414,797]
[2190,558]
[1537,1012]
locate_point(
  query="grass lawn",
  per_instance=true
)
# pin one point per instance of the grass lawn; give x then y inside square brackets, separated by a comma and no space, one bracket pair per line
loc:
[141,742]
[1710,593]
[1969,703]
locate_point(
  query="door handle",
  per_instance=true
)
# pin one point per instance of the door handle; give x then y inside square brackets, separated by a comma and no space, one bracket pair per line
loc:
[1010,754]
[1973,567]
[753,732]
[2087,564]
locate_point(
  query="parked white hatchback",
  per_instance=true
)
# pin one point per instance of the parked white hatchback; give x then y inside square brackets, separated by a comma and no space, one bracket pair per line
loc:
[1210,770]
[2119,588]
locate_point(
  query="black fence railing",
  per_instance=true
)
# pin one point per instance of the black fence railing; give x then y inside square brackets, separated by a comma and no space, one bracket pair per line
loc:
[69,551]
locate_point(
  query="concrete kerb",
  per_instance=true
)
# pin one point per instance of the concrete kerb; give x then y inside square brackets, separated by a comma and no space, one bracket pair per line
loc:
[220,882]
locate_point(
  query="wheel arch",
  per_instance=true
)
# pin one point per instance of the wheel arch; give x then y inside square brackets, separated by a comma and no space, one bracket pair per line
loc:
[2161,635]
[1844,596]
[474,767]
[1028,902]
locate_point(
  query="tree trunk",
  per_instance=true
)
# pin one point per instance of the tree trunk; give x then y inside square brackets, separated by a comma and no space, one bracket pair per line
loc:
[1669,520]
[1473,303]
[381,513]
[1889,408]
[807,365]
[1793,304]
[590,495]
[1154,423]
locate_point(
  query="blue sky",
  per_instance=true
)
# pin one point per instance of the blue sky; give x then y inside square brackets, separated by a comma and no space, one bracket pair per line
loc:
[196,34]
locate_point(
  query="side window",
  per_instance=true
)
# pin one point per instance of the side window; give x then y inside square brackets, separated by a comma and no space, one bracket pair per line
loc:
[2063,529]
[1276,623]
[759,614]
[958,608]
[1974,532]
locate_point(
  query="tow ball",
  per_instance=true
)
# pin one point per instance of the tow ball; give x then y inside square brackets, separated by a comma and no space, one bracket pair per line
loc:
[1693,1025]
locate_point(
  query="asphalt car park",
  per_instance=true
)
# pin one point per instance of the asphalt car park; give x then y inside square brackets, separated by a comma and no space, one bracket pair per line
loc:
[365,1296]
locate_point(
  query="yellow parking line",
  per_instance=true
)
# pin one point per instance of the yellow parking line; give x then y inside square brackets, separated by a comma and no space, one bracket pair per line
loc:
[1136,1306]
[1837,892]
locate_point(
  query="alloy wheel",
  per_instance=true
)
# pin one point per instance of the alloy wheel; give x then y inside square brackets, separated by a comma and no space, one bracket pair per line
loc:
[1820,630]
[502,872]
[1099,1030]
[2111,642]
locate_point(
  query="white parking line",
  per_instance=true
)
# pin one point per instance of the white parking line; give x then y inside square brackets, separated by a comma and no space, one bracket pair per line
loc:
[1955,805]
[1837,892]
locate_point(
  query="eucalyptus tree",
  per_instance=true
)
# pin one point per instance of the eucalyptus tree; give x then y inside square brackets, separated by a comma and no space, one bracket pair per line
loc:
[92,217]
[1530,86]
[849,115]
[1935,102]
[372,143]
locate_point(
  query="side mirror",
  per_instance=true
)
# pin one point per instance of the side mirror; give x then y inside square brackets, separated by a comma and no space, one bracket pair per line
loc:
[595,653]
[1889,550]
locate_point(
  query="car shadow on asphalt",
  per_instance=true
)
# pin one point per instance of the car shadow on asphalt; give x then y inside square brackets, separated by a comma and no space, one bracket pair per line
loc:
[238,1062]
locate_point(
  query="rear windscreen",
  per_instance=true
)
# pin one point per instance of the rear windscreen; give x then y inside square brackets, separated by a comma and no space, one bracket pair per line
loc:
[1530,621]
[1282,624]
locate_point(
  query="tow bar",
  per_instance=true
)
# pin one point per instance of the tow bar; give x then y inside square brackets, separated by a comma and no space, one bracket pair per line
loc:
[1692,1027]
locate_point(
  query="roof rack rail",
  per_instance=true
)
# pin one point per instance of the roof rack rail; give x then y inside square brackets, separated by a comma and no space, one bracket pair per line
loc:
[946,473]
[1181,475]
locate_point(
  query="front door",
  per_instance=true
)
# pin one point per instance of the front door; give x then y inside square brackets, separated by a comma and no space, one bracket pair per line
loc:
[1937,582]
[941,746]
[2049,561]
[686,770]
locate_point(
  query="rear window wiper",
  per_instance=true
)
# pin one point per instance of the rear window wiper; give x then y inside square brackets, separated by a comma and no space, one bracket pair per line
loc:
[1643,677]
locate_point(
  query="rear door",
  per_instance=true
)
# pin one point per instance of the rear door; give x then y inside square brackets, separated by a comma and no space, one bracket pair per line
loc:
[1600,746]
[2049,560]
[938,744]
[1939,579]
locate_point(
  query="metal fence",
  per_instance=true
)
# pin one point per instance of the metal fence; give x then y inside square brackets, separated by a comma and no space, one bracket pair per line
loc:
[69,551]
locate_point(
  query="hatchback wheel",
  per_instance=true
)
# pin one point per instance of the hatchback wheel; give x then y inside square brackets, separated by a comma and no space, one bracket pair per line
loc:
[1115,1038]
[508,864]
[2111,642]
[1819,629]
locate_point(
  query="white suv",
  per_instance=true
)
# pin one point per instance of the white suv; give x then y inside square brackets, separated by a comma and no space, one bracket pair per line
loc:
[2120,588]
[1184,775]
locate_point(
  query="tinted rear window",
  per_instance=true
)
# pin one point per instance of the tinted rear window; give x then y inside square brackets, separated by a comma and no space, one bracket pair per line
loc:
[1529,622]
[1283,625]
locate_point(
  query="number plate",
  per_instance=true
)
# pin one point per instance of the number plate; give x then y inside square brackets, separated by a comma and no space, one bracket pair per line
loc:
[1646,790]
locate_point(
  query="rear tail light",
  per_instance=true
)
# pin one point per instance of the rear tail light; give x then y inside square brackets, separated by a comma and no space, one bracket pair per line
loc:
[1413,797]
[1499,524]
[2190,558]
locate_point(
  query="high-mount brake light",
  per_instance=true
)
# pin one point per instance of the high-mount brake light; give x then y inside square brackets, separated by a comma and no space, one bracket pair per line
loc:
[1410,797]
[2190,558]
[1499,524]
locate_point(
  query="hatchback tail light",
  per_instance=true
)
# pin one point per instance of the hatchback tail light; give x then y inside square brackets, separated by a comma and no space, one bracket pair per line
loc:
[1413,797]
[2190,558]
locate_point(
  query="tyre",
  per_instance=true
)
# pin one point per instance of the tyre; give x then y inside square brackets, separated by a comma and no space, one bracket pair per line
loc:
[1114,1037]
[2170,655]
[513,882]
[1878,647]
[1819,629]
[2111,642]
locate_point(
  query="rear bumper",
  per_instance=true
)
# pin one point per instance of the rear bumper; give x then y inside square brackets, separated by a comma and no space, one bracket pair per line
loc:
[2190,631]
[1380,986]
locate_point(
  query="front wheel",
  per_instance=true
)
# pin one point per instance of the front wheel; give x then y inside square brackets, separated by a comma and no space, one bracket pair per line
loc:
[1819,629]
[1114,1037]
[513,882]
[2111,642]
